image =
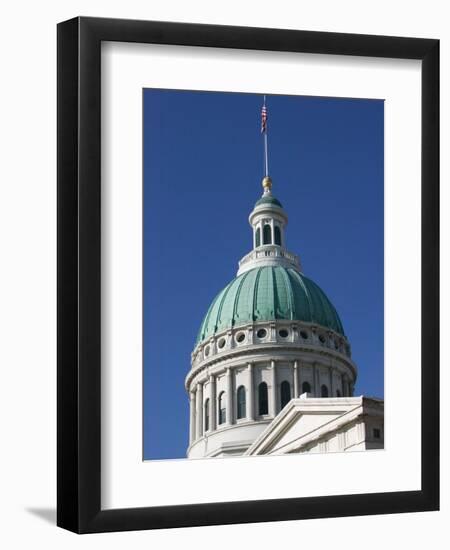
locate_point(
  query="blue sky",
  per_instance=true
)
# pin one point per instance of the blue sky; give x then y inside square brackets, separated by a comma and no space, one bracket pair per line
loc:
[203,165]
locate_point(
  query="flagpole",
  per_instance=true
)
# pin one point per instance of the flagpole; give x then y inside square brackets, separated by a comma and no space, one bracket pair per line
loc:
[266,155]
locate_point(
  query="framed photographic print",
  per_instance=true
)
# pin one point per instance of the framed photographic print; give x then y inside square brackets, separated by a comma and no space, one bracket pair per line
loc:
[248,315]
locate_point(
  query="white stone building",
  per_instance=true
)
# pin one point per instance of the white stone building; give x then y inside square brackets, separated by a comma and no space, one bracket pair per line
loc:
[271,371]
[318,425]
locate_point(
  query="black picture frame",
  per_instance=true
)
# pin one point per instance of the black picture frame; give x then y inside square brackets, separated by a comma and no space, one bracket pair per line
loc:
[79,275]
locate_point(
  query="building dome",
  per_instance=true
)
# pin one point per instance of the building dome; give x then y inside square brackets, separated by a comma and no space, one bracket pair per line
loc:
[269,199]
[270,336]
[269,293]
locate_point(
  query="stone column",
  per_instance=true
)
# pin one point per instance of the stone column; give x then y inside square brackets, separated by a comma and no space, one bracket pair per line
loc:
[273,399]
[199,410]
[251,398]
[212,403]
[230,339]
[318,392]
[229,412]
[296,394]
[192,417]
[273,332]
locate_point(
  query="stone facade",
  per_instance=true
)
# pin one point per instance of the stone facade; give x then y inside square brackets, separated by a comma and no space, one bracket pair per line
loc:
[311,425]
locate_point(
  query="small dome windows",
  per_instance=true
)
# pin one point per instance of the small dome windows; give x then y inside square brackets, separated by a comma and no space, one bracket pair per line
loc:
[206,414]
[285,392]
[222,408]
[277,234]
[306,387]
[282,333]
[267,234]
[258,237]
[241,413]
[262,333]
[263,399]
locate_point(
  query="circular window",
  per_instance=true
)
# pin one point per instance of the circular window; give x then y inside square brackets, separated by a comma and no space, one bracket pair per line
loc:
[304,334]
[240,337]
[322,338]
[283,333]
[207,351]
[221,343]
[262,333]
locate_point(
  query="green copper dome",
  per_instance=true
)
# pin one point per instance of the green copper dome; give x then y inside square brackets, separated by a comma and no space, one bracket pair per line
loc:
[268,199]
[265,294]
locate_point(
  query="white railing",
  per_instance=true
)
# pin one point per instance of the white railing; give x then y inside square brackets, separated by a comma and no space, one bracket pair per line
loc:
[270,251]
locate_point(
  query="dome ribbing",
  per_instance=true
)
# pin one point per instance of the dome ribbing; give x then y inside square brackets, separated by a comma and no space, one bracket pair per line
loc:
[269,293]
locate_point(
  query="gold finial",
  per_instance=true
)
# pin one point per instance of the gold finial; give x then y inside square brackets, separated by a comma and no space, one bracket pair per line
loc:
[267,183]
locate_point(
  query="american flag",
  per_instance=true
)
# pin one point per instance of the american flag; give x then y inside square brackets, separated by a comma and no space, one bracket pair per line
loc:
[263,119]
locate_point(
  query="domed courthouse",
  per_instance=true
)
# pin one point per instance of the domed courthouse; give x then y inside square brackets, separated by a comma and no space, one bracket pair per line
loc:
[271,370]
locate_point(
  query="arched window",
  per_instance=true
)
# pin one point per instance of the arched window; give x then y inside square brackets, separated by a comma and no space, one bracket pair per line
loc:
[263,399]
[306,387]
[277,235]
[241,413]
[338,393]
[267,234]
[258,237]
[206,415]
[285,393]
[324,391]
[222,408]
